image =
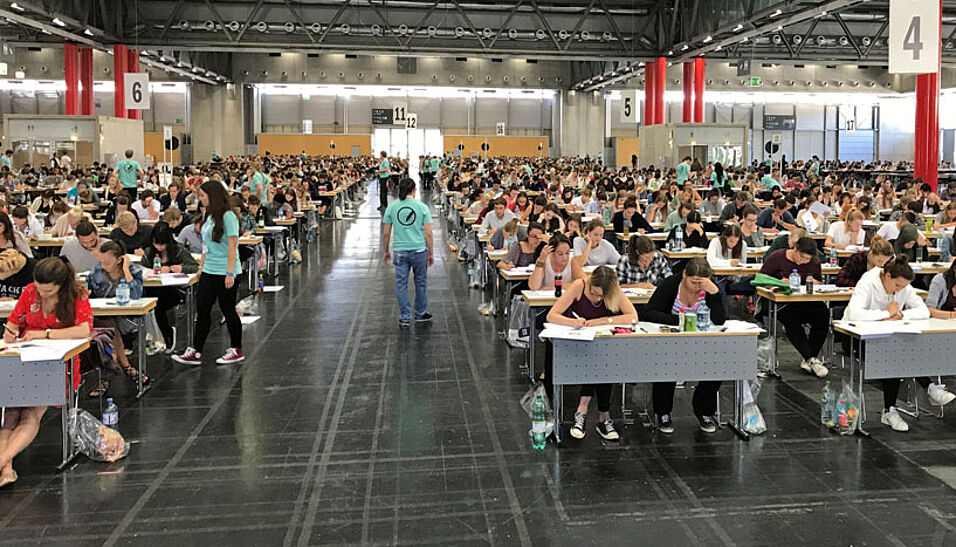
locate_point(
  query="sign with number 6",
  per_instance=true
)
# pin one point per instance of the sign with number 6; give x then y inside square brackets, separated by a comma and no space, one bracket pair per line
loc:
[136,87]
[914,36]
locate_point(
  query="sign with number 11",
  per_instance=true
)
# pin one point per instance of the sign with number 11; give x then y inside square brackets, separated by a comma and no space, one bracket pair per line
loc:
[914,36]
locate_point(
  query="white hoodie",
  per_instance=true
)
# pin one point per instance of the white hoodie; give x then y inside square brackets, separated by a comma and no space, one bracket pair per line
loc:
[870,300]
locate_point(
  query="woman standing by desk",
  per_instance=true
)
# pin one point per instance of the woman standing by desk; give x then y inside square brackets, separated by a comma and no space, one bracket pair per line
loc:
[596,300]
[53,306]
[885,294]
[681,294]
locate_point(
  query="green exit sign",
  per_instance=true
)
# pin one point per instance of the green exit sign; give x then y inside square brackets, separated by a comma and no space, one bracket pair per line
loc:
[754,81]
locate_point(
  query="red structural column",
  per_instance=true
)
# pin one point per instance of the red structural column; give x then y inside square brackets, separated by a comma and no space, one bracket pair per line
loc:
[660,84]
[926,164]
[132,67]
[87,104]
[688,82]
[119,73]
[700,72]
[650,100]
[71,73]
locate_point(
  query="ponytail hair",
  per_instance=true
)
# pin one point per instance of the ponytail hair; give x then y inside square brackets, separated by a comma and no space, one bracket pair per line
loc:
[405,186]
[898,267]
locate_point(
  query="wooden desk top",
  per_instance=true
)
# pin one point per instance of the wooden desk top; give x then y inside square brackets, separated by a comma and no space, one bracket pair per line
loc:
[149,280]
[537,300]
[285,221]
[843,295]
[251,240]
[106,307]
[52,242]
[685,254]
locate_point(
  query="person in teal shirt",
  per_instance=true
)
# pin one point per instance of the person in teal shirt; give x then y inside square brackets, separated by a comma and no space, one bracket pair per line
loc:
[219,267]
[7,159]
[770,182]
[384,171]
[407,233]
[129,172]
[815,166]
[683,170]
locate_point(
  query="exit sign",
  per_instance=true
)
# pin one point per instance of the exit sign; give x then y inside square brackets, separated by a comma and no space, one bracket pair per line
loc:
[754,81]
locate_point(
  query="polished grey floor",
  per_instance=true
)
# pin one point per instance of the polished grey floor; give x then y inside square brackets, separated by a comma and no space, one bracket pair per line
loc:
[342,429]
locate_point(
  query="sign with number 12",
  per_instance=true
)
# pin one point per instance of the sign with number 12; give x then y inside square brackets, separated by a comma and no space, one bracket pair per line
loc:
[914,36]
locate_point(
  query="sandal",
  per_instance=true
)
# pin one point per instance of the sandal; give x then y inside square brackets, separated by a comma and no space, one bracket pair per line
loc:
[101,388]
[133,374]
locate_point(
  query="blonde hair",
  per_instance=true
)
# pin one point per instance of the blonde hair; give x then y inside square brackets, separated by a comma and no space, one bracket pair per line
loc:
[880,246]
[125,219]
[605,278]
[75,213]
[855,214]
[173,213]
[511,227]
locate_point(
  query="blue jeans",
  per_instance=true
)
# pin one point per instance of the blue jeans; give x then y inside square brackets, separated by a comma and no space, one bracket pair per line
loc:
[417,262]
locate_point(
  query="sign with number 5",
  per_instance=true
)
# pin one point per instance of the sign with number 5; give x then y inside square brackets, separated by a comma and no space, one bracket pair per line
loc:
[914,36]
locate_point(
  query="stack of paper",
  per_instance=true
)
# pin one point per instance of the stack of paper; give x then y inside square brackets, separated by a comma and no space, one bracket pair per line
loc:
[523,270]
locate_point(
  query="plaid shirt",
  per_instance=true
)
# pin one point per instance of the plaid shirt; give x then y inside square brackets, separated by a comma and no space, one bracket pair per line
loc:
[628,273]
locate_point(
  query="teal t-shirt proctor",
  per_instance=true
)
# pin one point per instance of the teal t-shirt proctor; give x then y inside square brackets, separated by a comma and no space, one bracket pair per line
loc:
[5,160]
[385,166]
[126,173]
[435,163]
[217,254]
[408,218]
[683,172]
[769,182]
[258,187]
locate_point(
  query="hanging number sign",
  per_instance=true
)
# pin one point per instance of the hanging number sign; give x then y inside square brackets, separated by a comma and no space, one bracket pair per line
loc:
[914,36]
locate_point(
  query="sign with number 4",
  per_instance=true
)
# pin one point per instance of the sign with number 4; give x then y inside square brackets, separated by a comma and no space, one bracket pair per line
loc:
[914,36]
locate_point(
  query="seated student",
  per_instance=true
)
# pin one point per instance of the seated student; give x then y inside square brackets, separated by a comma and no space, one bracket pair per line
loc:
[28,225]
[147,209]
[173,197]
[802,258]
[728,249]
[53,306]
[678,216]
[11,238]
[66,224]
[16,272]
[861,262]
[787,241]
[102,281]
[551,219]
[846,233]
[479,207]
[44,202]
[593,249]
[120,204]
[554,262]
[682,294]
[635,221]
[595,300]
[247,221]
[749,231]
[734,211]
[133,235]
[643,266]
[508,235]
[714,205]
[885,294]
[85,195]
[572,226]
[79,251]
[891,230]
[498,216]
[191,236]
[173,216]
[657,211]
[175,259]
[280,207]
[908,242]
[692,232]
[537,207]
[525,252]
[777,217]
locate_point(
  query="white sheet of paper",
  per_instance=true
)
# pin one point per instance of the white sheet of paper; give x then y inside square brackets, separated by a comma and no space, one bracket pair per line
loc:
[171,280]
[820,208]
[248,319]
[272,288]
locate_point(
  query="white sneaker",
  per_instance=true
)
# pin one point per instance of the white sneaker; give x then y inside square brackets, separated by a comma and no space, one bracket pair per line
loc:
[814,366]
[893,419]
[938,395]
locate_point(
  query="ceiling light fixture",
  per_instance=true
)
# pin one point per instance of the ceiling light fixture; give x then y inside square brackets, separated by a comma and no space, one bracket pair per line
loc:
[738,27]
[18,7]
[88,32]
[776,13]
[59,22]
[708,39]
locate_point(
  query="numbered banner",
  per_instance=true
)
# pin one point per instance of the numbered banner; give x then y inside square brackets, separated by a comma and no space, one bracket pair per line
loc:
[629,106]
[136,86]
[399,113]
[411,121]
[914,36]
[500,129]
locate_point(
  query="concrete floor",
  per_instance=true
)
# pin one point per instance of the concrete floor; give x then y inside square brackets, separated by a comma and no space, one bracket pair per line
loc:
[341,429]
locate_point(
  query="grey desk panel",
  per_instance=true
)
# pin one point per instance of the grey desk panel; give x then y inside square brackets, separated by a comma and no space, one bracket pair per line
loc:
[41,383]
[655,359]
[908,355]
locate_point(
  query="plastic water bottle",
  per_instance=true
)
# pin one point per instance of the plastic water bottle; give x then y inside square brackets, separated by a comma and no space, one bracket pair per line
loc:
[703,318]
[111,414]
[826,405]
[512,241]
[794,281]
[538,424]
[920,253]
[833,257]
[679,239]
[122,293]
[157,265]
[261,284]
[608,211]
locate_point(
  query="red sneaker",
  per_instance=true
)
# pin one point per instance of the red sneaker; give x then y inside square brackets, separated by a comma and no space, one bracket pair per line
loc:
[189,357]
[232,355]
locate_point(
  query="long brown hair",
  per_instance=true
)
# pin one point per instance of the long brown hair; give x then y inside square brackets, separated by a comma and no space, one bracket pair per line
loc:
[217,208]
[732,230]
[55,271]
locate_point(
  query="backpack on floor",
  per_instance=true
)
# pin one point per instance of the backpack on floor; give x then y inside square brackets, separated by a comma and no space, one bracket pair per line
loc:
[518,327]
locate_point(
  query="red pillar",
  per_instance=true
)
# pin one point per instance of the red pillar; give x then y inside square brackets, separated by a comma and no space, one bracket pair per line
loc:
[650,100]
[87,104]
[926,164]
[660,85]
[700,72]
[688,82]
[119,73]
[132,67]
[71,73]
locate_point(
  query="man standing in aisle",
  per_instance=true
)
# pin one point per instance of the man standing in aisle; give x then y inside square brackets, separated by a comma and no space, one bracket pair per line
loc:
[129,172]
[411,222]
[384,171]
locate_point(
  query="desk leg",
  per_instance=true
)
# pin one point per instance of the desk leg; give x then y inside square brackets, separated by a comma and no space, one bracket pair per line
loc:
[556,399]
[859,365]
[190,313]
[141,354]
[775,364]
[68,452]
[532,336]
[735,424]
[275,255]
